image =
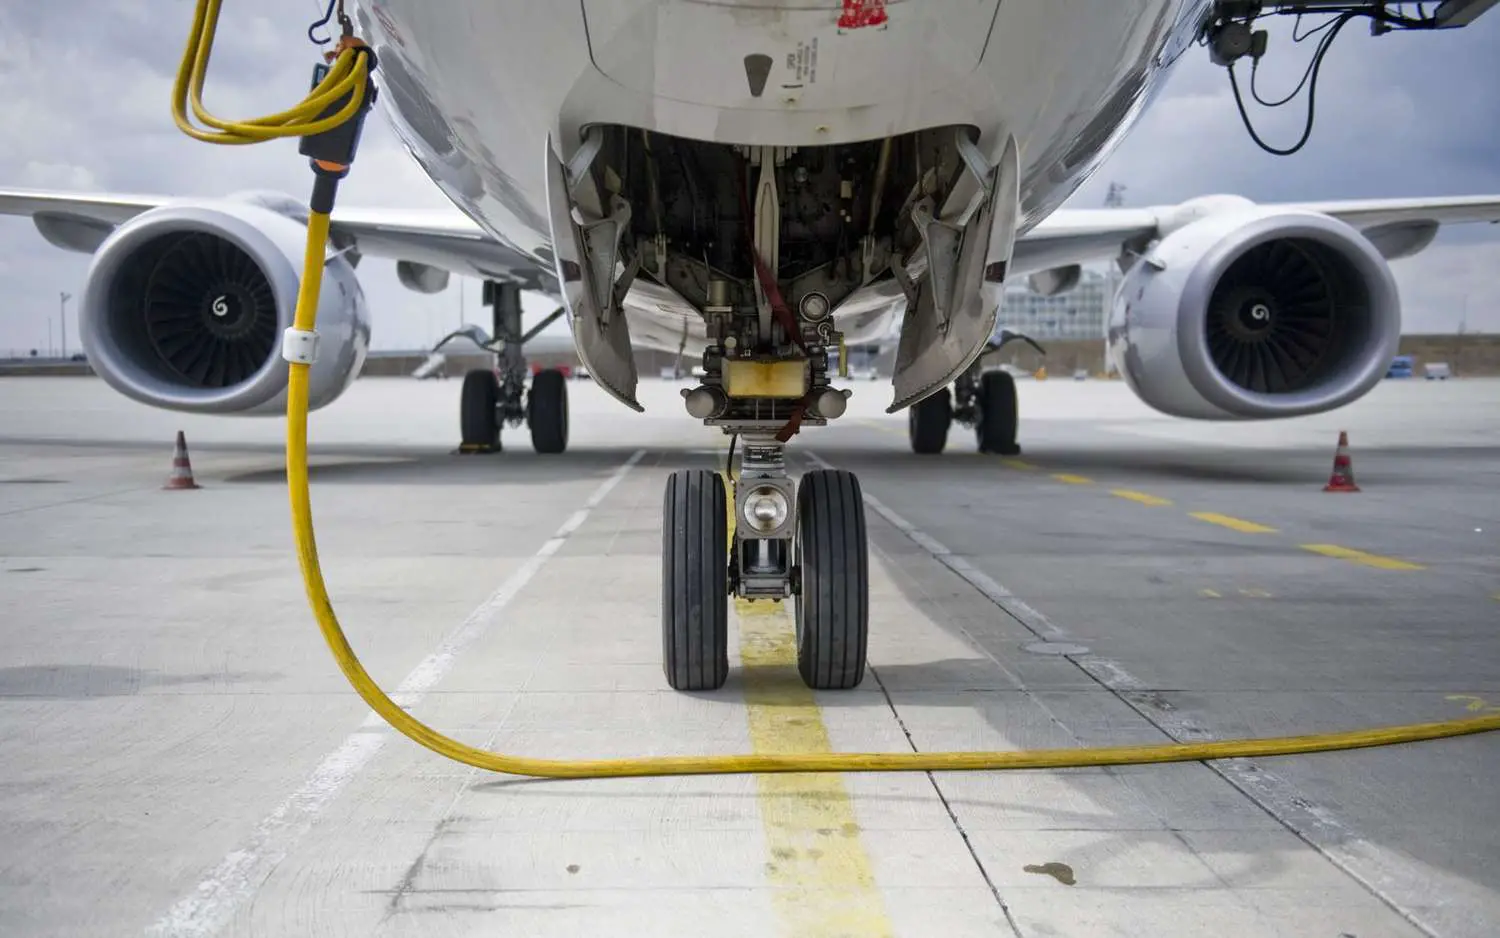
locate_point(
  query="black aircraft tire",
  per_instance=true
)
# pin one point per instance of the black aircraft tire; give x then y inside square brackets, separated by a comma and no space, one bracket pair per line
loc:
[928,421]
[477,421]
[547,411]
[999,414]
[833,605]
[695,581]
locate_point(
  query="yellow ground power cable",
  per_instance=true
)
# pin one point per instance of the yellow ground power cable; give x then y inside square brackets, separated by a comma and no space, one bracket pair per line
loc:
[421,733]
[347,73]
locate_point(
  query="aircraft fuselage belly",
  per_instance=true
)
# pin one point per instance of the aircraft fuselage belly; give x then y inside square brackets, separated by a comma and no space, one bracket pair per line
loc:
[476,89]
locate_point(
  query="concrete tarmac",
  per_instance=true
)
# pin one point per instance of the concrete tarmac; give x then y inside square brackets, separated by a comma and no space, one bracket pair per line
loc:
[179,755]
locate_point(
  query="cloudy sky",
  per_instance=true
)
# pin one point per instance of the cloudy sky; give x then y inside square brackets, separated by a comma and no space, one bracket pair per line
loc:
[84,96]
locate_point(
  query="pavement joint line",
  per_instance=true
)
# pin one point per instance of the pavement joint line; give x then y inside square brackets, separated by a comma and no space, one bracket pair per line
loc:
[82,498]
[1310,822]
[1231,522]
[1361,557]
[210,905]
[958,824]
[408,881]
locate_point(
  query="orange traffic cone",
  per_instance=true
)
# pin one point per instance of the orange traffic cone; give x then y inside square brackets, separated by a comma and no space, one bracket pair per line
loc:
[1342,479]
[182,469]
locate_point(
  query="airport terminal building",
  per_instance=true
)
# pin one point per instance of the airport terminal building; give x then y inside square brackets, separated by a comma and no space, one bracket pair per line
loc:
[1080,313]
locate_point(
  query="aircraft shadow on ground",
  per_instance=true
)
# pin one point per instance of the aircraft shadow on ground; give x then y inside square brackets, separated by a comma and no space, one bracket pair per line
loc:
[1188,463]
[1300,467]
[446,468]
[1210,465]
[1206,464]
[89,681]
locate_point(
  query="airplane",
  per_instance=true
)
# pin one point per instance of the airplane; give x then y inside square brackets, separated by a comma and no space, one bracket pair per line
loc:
[759,184]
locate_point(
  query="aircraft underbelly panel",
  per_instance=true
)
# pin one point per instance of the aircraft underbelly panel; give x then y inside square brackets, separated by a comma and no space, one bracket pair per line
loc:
[770,55]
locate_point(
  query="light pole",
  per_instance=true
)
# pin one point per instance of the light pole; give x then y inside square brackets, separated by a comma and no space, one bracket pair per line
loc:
[63,315]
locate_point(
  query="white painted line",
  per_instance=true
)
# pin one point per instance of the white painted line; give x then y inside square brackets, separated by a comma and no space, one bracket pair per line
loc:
[209,906]
[1400,883]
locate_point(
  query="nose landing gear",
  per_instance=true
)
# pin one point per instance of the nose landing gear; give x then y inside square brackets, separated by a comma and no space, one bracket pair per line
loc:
[801,542]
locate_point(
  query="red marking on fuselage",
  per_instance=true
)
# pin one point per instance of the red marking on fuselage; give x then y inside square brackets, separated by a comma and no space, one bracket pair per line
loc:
[861,13]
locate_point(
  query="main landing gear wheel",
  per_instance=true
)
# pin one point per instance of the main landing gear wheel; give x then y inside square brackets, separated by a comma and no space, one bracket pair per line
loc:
[998,414]
[928,421]
[479,422]
[833,606]
[547,411]
[695,581]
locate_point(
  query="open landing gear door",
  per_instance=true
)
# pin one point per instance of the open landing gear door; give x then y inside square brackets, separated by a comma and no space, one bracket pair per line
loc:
[588,256]
[951,306]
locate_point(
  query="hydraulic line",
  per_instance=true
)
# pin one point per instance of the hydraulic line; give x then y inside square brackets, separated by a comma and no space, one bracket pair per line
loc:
[299,349]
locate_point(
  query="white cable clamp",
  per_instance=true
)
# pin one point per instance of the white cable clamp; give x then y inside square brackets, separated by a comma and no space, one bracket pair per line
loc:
[299,346]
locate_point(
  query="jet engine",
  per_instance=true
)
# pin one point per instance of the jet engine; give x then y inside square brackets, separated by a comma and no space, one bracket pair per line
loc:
[184,307]
[1255,313]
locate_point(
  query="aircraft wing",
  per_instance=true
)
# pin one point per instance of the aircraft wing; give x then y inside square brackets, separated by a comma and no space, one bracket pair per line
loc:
[447,240]
[1398,227]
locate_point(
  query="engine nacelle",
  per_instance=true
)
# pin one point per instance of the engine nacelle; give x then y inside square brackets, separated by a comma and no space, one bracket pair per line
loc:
[1055,281]
[184,308]
[1255,313]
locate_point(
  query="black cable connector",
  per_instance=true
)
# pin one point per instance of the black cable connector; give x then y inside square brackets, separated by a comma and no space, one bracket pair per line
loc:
[335,148]
[1230,35]
[325,190]
[1310,78]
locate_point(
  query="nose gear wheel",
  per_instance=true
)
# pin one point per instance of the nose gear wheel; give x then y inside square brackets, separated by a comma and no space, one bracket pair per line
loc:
[833,606]
[695,581]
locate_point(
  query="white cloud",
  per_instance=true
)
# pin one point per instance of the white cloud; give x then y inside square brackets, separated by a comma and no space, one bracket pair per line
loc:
[41,175]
